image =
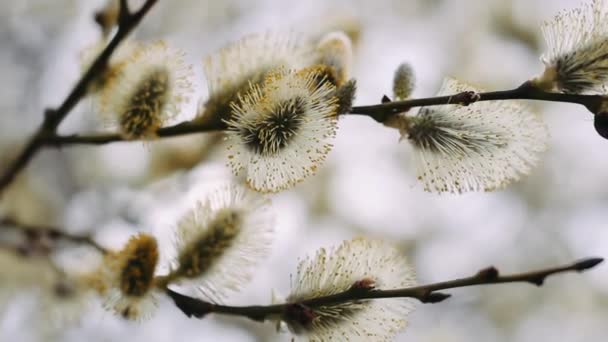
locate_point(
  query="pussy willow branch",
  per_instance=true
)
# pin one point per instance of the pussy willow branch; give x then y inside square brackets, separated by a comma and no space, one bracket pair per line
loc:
[193,307]
[52,233]
[53,117]
[425,293]
[380,112]
[183,128]
[526,91]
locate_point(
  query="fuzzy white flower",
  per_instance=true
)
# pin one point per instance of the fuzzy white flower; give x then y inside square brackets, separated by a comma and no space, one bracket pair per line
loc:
[577,56]
[149,90]
[335,51]
[126,279]
[281,130]
[231,71]
[483,146]
[221,240]
[368,264]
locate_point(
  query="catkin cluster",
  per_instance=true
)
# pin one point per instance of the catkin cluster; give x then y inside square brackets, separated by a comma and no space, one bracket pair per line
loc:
[278,97]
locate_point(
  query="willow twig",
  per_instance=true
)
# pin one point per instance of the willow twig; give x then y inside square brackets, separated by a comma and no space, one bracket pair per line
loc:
[193,307]
[53,117]
[38,232]
[180,129]
[526,91]
[380,112]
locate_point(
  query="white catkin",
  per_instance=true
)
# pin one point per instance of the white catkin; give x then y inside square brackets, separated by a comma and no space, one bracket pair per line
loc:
[576,59]
[282,130]
[154,65]
[230,266]
[336,270]
[480,147]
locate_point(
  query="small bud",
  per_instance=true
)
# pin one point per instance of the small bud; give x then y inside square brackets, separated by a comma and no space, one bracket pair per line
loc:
[586,264]
[404,82]
[366,283]
[489,273]
[107,17]
[600,122]
[346,96]
[335,51]
[299,314]
[435,297]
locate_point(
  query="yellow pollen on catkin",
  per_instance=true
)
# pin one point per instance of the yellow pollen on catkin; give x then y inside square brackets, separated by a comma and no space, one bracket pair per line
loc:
[142,115]
[323,73]
[335,51]
[138,261]
[203,252]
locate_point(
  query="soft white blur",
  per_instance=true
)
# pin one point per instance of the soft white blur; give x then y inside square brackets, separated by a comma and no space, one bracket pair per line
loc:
[367,186]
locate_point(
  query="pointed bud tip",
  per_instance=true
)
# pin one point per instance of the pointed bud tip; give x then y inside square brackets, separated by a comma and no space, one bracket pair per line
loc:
[436,297]
[600,122]
[587,264]
[346,96]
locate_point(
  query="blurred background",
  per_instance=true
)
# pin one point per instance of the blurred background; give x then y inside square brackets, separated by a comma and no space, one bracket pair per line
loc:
[367,186]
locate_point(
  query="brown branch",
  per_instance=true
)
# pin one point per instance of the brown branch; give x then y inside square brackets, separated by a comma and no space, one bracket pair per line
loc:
[180,129]
[380,112]
[426,293]
[53,117]
[526,91]
[37,233]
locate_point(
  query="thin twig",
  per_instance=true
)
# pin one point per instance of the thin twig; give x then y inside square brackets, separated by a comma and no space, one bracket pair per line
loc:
[526,91]
[39,232]
[53,117]
[379,112]
[426,293]
[180,129]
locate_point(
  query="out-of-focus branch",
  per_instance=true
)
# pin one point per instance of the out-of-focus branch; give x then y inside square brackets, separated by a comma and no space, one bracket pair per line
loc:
[380,112]
[53,117]
[183,128]
[425,293]
[40,233]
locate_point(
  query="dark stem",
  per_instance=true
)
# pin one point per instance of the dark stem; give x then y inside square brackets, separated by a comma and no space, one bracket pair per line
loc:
[380,112]
[526,91]
[183,128]
[426,293]
[53,117]
[38,232]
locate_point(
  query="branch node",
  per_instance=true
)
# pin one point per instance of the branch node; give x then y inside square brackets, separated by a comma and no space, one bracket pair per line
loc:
[385,99]
[365,284]
[190,306]
[49,112]
[586,264]
[488,274]
[466,98]
[124,13]
[538,281]
[434,297]
[299,313]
